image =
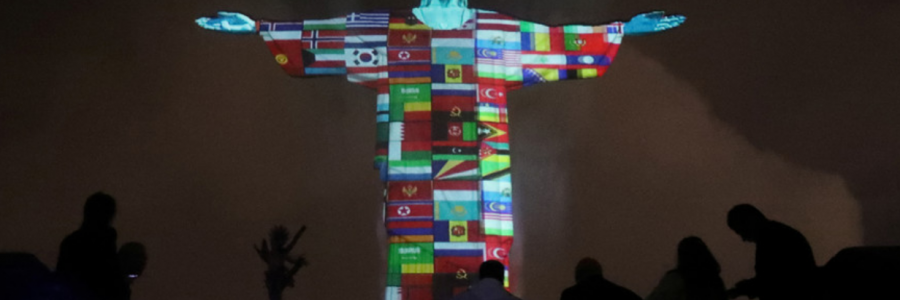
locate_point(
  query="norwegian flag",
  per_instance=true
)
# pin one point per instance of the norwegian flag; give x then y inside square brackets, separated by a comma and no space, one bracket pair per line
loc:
[323,39]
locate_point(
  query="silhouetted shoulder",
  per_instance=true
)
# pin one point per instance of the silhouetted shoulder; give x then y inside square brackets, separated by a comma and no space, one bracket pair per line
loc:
[598,289]
[671,286]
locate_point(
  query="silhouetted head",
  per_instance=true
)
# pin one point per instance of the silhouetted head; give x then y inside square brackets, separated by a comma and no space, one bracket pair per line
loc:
[132,260]
[694,257]
[445,3]
[99,210]
[492,269]
[587,267]
[278,237]
[746,221]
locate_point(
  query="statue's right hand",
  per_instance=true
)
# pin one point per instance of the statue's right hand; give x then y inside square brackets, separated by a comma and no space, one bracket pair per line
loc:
[228,22]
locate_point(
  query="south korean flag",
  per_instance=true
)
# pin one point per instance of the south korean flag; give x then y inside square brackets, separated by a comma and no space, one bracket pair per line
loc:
[366,57]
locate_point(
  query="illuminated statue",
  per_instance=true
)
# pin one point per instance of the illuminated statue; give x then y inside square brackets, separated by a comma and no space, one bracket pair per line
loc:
[277,254]
[442,72]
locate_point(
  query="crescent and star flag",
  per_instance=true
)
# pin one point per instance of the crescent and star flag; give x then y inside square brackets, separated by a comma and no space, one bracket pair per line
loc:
[442,138]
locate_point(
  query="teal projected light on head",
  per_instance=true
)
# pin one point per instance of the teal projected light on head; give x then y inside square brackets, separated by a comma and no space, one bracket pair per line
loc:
[443,14]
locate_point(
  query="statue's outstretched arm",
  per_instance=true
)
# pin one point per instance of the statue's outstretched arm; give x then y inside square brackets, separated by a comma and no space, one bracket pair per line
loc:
[555,53]
[230,22]
[652,22]
[302,48]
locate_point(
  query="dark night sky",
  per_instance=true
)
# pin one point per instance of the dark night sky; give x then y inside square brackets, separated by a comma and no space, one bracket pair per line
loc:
[206,143]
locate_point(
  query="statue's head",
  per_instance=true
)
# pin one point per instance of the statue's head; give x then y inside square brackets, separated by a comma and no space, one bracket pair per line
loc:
[445,3]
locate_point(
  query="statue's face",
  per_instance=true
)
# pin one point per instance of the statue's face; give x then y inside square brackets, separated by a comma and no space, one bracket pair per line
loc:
[445,3]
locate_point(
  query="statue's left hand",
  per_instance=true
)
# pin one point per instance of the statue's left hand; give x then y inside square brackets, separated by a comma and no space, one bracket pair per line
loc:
[652,22]
[229,22]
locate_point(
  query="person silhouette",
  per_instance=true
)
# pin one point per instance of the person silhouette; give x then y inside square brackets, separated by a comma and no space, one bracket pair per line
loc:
[87,257]
[695,278]
[132,259]
[590,284]
[785,266]
[490,287]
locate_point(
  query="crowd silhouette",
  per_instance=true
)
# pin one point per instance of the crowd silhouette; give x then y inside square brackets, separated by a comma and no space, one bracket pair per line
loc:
[785,269]
[696,275]
[91,267]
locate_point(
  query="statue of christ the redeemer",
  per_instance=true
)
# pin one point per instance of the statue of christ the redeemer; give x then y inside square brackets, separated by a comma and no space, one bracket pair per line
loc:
[442,72]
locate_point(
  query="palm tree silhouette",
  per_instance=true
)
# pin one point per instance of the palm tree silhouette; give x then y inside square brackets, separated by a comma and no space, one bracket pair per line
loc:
[276,254]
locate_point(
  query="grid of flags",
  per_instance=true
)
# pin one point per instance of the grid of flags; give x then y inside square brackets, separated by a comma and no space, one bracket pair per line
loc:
[442,124]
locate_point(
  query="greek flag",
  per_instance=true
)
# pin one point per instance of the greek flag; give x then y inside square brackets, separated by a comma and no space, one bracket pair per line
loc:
[368,20]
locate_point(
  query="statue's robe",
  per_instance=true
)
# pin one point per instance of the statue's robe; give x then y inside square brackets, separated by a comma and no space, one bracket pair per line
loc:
[442,131]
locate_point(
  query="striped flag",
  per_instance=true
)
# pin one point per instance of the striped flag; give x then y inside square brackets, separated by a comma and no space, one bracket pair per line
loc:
[453,39]
[281,30]
[410,231]
[499,190]
[464,266]
[489,20]
[339,23]
[406,20]
[420,150]
[484,56]
[456,191]
[498,207]
[448,89]
[496,71]
[454,150]
[377,19]
[498,39]
[512,58]
[473,249]
[410,211]
[383,105]
[490,112]
[408,170]
[323,39]
[498,224]
[409,56]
